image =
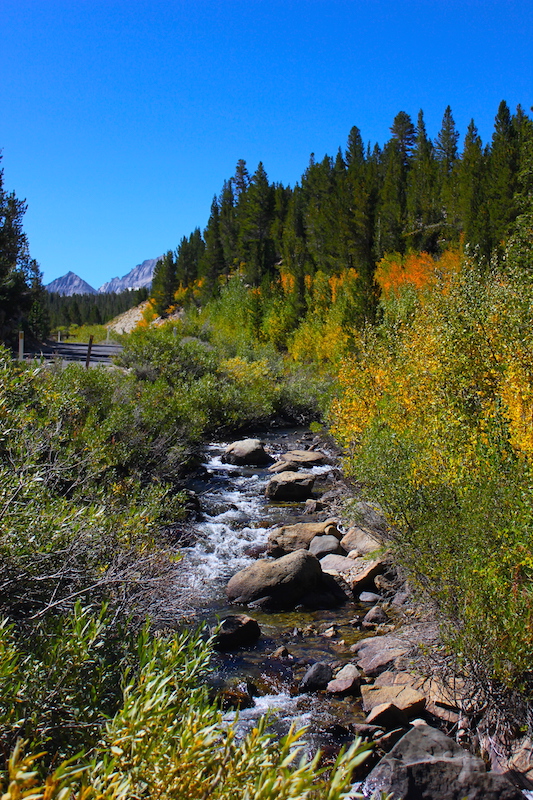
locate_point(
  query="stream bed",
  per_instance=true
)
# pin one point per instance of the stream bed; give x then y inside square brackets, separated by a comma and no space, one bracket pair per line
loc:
[232,532]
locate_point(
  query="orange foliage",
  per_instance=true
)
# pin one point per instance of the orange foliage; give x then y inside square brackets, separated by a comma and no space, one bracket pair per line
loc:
[343,280]
[419,270]
[288,282]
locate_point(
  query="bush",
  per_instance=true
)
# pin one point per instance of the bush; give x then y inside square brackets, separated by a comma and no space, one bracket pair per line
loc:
[168,741]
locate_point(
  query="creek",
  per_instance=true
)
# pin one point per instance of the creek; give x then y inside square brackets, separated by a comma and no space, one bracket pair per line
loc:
[231,532]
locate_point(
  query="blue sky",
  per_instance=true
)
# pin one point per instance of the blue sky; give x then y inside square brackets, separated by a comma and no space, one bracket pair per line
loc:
[120,119]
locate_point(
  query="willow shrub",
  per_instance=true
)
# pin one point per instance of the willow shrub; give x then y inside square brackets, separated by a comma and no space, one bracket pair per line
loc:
[436,414]
[167,741]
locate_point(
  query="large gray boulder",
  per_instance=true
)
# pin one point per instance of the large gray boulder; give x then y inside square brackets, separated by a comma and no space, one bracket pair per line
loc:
[247,452]
[278,584]
[427,765]
[296,459]
[290,486]
[299,536]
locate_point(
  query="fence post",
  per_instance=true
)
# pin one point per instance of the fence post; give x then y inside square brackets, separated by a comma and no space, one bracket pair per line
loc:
[21,345]
[89,348]
[59,336]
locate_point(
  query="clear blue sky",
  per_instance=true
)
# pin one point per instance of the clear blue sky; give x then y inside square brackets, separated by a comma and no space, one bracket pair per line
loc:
[120,119]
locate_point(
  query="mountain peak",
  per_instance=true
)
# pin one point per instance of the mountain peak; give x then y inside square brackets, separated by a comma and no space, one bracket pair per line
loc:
[137,278]
[70,284]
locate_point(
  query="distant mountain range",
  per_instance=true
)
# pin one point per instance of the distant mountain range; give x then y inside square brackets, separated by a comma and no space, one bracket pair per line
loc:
[137,278]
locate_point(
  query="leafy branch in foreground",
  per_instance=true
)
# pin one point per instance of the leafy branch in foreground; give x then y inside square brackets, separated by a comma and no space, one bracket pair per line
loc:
[168,741]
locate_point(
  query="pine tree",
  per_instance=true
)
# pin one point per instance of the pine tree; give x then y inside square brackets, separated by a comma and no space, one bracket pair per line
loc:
[447,158]
[446,142]
[471,178]
[228,223]
[188,257]
[424,216]
[212,263]
[390,218]
[403,133]
[20,279]
[503,175]
[255,215]
[164,283]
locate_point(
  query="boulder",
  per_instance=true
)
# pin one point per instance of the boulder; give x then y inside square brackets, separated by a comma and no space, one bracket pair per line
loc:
[289,538]
[317,677]
[388,716]
[370,597]
[359,573]
[290,486]
[247,452]
[376,616]
[304,458]
[278,584]
[360,541]
[378,653]
[403,696]
[324,545]
[425,763]
[236,630]
[346,681]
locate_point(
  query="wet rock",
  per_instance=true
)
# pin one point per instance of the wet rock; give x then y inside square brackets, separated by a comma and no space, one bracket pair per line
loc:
[317,677]
[425,763]
[376,616]
[255,550]
[290,486]
[346,681]
[313,506]
[365,730]
[370,597]
[378,653]
[324,545]
[235,697]
[281,652]
[329,595]
[278,584]
[360,541]
[236,630]
[283,466]
[249,452]
[289,538]
[403,696]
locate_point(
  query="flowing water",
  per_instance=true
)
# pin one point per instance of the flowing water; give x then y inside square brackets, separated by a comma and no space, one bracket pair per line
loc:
[232,532]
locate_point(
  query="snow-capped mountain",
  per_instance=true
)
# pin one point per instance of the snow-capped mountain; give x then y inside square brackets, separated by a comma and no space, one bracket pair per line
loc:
[137,278]
[70,284]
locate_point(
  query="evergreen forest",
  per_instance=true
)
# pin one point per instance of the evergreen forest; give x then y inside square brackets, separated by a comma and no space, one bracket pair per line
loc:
[386,299]
[89,309]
